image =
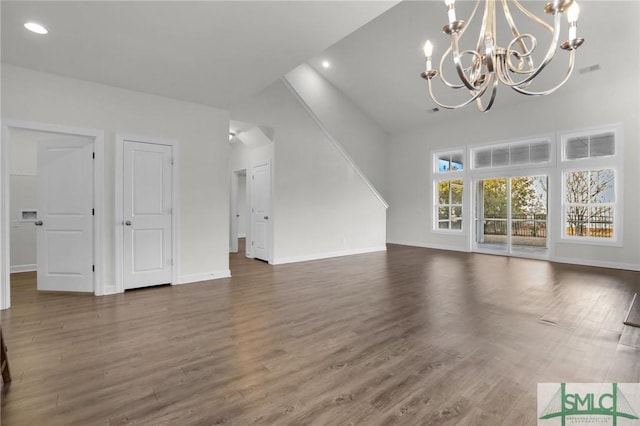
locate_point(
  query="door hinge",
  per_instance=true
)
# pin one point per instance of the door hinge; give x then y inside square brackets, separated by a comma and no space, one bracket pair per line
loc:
[252,243]
[172,161]
[93,155]
[93,268]
[93,212]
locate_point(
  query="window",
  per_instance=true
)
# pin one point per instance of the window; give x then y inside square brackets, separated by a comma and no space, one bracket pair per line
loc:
[589,146]
[591,203]
[512,154]
[448,168]
[449,204]
[449,162]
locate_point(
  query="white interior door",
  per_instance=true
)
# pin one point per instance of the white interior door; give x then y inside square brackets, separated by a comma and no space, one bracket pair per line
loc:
[261,211]
[147,214]
[65,215]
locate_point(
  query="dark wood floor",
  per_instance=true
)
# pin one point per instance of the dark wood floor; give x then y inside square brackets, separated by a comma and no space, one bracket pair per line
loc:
[410,336]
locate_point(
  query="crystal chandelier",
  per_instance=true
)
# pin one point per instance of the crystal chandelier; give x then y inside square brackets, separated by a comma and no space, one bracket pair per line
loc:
[480,70]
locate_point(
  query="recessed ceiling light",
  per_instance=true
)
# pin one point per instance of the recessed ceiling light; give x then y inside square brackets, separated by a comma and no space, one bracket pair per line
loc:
[36,28]
[325,64]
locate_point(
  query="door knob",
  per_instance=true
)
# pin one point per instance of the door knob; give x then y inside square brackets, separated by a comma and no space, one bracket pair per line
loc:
[38,223]
[128,223]
[266,217]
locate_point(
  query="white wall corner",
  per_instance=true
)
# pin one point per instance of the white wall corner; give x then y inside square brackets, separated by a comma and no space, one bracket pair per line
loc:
[107,290]
[23,268]
[214,275]
[319,256]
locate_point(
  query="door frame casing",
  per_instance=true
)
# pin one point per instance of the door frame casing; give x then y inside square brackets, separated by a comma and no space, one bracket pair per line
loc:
[270,214]
[97,194]
[234,207]
[119,205]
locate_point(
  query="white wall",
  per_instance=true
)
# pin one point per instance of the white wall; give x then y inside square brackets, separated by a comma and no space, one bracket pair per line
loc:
[600,99]
[202,134]
[22,184]
[321,207]
[356,132]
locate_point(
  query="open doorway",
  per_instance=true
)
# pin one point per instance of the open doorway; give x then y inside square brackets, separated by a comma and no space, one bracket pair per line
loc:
[250,168]
[239,208]
[52,190]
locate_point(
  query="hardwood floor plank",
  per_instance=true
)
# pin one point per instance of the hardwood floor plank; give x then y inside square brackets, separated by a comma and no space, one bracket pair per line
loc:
[410,336]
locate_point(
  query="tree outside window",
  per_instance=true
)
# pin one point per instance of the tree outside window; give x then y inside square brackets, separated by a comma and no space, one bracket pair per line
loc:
[589,203]
[449,204]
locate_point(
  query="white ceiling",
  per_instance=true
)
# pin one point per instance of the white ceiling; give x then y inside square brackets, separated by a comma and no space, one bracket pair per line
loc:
[211,52]
[378,66]
[219,53]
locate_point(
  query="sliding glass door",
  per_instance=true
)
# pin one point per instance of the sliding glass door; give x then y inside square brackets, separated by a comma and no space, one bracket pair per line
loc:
[511,215]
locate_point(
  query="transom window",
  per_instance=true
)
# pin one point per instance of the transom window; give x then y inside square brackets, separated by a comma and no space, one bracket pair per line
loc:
[449,161]
[512,154]
[590,146]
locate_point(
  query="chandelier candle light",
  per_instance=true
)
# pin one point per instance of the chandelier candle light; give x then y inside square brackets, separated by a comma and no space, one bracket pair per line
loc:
[490,64]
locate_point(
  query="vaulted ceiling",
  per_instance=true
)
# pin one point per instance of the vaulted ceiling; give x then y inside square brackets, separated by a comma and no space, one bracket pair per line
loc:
[211,52]
[378,65]
[219,53]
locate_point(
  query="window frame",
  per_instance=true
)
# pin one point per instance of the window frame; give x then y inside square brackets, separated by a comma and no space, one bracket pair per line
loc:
[590,164]
[449,205]
[508,146]
[438,176]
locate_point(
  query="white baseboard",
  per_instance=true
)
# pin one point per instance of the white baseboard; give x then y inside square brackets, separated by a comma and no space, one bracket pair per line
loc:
[107,290]
[194,278]
[319,256]
[23,268]
[428,245]
[598,263]
[573,261]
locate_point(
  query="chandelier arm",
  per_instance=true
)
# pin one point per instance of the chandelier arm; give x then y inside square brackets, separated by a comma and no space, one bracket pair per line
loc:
[525,55]
[509,19]
[532,16]
[458,63]
[450,50]
[465,103]
[504,76]
[550,54]
[492,64]
[494,91]
[483,26]
[473,14]
[519,38]
[519,89]
[441,74]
